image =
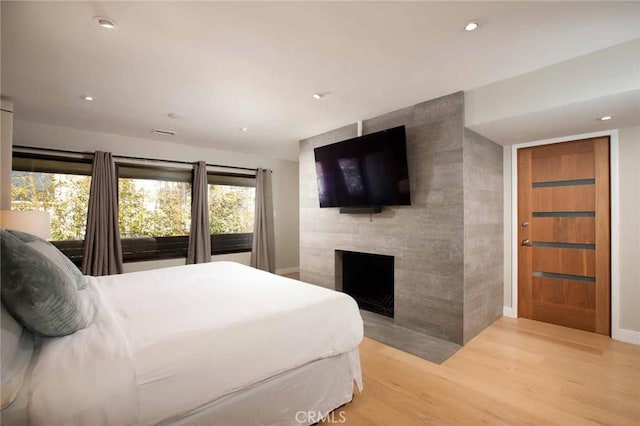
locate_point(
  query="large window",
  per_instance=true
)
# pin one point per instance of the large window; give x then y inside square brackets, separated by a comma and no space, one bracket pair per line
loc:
[154,205]
[154,212]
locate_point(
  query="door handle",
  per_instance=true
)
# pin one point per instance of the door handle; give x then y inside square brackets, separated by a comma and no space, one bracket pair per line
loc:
[526,242]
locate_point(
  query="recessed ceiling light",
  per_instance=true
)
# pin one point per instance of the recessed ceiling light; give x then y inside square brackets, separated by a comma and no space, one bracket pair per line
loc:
[317,96]
[244,129]
[471,26]
[605,118]
[105,22]
[177,115]
[87,98]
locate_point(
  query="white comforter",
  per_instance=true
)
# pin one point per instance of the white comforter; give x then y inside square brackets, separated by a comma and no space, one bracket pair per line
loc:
[87,378]
[168,341]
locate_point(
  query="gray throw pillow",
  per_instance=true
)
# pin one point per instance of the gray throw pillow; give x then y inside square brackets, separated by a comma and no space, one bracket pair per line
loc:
[55,255]
[36,291]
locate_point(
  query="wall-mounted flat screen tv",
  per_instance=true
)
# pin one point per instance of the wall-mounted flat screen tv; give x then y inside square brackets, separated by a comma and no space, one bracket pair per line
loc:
[369,170]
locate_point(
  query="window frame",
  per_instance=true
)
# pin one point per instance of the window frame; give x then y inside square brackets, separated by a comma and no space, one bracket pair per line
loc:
[143,249]
[236,242]
[86,159]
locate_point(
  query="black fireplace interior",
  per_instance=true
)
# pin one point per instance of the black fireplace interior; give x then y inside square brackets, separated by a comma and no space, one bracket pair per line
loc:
[368,278]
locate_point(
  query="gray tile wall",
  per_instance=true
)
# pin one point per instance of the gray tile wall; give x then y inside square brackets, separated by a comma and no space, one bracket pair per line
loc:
[427,238]
[483,233]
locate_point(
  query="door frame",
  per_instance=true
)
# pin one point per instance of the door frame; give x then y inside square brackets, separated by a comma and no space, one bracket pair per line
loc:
[512,233]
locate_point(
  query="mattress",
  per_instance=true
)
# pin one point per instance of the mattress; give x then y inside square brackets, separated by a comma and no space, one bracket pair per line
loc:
[200,332]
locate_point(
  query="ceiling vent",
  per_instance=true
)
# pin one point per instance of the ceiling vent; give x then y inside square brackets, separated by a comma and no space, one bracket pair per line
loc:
[164,132]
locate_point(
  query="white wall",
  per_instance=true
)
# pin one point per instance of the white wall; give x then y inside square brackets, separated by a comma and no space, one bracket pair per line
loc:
[6,130]
[629,248]
[285,176]
[507,213]
[628,229]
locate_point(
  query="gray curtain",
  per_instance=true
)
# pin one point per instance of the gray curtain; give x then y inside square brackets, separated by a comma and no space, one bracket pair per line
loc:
[200,236]
[102,248]
[263,251]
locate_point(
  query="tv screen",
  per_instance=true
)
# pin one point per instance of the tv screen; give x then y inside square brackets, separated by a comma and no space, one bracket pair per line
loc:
[369,170]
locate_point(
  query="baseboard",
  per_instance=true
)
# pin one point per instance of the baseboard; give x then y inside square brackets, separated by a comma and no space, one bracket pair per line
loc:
[507,311]
[627,336]
[287,271]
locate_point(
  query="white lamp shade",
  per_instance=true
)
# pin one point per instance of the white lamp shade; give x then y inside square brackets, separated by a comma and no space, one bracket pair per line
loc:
[33,222]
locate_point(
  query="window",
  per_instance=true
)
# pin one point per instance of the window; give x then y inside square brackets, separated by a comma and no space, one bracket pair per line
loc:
[154,205]
[231,212]
[154,212]
[153,202]
[59,186]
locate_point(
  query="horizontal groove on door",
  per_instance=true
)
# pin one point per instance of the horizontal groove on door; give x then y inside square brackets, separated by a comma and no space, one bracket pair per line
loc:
[564,214]
[563,276]
[564,183]
[563,245]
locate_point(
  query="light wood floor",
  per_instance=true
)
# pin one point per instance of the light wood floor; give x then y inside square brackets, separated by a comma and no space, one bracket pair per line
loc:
[516,372]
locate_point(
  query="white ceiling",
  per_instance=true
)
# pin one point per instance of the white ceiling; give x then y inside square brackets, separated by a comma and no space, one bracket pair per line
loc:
[244,64]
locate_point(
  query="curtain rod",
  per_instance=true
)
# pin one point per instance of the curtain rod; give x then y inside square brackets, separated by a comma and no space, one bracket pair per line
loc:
[127,157]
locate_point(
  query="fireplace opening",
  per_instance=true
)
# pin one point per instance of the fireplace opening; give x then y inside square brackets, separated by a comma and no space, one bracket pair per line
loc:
[368,278]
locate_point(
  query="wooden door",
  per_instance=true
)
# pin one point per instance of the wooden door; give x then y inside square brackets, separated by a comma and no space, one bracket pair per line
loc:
[564,234]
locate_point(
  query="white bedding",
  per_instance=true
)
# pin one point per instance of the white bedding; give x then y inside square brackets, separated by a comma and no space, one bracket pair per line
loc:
[87,378]
[178,338]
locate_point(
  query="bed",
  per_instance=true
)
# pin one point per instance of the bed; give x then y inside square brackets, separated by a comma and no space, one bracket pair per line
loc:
[215,343]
